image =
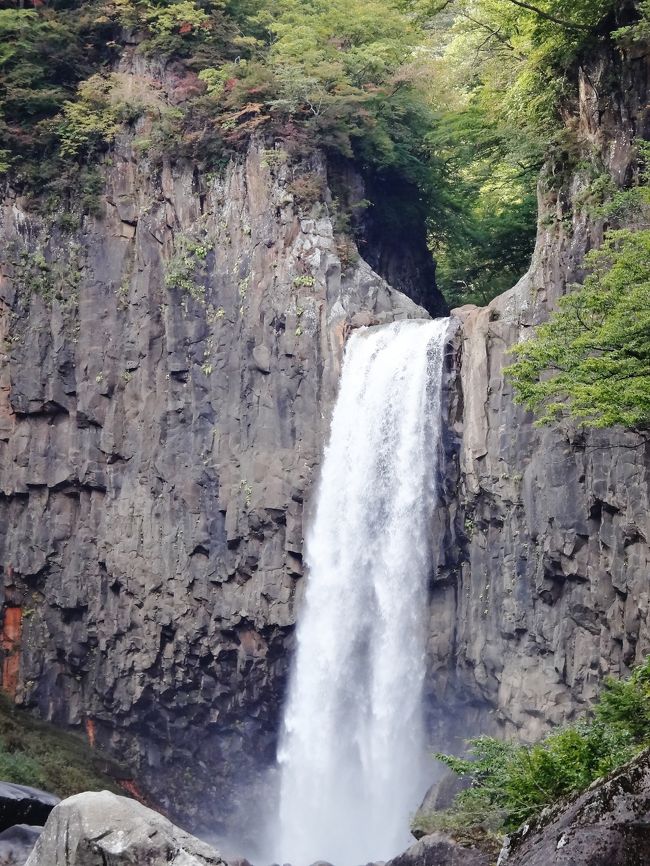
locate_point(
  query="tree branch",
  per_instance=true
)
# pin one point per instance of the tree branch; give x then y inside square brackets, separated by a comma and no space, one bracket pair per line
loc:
[570,25]
[494,33]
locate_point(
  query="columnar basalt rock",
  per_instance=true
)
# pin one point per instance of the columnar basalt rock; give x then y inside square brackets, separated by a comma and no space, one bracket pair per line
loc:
[166,378]
[544,586]
[166,382]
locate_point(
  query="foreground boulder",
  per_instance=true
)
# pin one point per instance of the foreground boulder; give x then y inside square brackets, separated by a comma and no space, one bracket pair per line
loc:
[17,842]
[20,804]
[607,825]
[440,850]
[102,829]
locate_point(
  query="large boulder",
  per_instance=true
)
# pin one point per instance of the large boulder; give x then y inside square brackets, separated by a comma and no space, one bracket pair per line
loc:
[440,850]
[16,844]
[607,825]
[102,829]
[20,804]
[441,796]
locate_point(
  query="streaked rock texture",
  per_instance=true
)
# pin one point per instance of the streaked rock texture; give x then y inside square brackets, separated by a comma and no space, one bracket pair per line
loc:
[544,587]
[166,378]
[165,386]
[102,829]
[607,825]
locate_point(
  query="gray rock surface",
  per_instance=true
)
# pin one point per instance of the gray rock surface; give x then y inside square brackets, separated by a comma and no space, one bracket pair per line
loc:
[20,804]
[17,842]
[158,442]
[166,377]
[544,584]
[608,825]
[441,795]
[102,829]
[440,850]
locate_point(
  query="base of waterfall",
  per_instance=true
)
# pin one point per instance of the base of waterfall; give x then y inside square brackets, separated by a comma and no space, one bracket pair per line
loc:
[607,825]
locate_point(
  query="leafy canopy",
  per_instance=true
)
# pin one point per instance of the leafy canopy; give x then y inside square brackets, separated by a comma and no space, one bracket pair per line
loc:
[448,106]
[591,361]
[511,782]
[504,76]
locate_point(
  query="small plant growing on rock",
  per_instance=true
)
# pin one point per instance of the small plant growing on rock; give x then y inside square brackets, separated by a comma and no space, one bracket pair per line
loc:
[215,314]
[247,490]
[274,158]
[181,271]
[307,189]
[304,281]
[347,252]
[510,782]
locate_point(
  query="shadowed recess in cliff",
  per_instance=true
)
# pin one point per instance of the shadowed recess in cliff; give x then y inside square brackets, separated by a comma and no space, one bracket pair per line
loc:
[352,752]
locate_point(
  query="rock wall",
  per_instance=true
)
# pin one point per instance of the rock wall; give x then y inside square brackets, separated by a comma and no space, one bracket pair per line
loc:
[543,584]
[165,384]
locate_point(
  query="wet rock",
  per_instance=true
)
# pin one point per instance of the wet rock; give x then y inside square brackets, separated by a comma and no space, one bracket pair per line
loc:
[542,585]
[157,452]
[17,843]
[94,829]
[440,850]
[20,804]
[608,825]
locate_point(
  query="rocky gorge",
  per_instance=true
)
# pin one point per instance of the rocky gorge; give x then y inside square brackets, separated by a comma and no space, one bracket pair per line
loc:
[162,423]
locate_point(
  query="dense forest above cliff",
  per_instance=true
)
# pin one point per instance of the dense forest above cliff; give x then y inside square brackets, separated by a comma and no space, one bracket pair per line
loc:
[450,107]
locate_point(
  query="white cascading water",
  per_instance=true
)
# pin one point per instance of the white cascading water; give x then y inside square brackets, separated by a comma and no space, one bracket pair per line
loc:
[352,751]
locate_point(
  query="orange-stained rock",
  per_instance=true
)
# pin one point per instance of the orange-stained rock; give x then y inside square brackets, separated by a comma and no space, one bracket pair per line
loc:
[10,644]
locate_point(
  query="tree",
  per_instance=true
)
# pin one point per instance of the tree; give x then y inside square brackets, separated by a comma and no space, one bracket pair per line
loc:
[591,360]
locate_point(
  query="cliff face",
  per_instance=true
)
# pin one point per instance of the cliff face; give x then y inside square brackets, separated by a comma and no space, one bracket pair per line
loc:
[165,386]
[543,587]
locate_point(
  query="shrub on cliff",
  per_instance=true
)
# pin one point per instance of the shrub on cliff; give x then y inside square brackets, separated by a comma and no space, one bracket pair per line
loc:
[591,360]
[509,782]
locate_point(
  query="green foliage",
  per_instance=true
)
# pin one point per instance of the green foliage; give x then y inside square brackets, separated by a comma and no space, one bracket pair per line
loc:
[448,115]
[45,53]
[591,360]
[510,782]
[182,269]
[505,79]
[38,754]
[90,122]
[304,281]
[200,31]
[20,768]
[625,704]
[639,30]
[56,277]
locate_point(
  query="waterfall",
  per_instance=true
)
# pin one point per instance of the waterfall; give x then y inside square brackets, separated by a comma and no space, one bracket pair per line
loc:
[352,749]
